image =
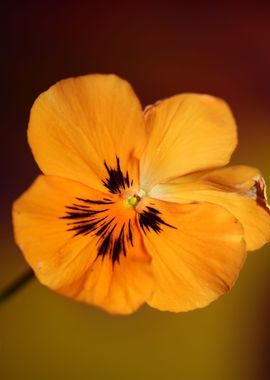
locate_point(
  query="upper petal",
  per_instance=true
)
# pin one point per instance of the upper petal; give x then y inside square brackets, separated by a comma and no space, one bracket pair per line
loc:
[58,225]
[186,133]
[81,122]
[239,189]
[196,255]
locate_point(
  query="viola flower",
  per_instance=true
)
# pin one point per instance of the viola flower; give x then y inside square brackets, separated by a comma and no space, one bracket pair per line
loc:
[135,206]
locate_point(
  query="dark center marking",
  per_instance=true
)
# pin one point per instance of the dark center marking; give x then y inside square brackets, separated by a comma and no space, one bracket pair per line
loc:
[86,217]
[116,181]
[150,219]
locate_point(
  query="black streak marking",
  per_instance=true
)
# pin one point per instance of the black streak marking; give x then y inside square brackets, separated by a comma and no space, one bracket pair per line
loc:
[130,232]
[116,180]
[84,219]
[103,202]
[150,219]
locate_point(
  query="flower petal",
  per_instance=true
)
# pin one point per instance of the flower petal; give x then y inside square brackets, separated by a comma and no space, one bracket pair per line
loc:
[196,261]
[66,259]
[186,133]
[81,122]
[239,189]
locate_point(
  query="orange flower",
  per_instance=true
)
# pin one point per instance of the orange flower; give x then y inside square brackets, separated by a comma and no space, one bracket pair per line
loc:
[132,207]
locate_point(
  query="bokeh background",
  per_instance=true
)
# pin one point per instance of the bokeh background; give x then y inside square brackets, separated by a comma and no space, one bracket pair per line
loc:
[162,48]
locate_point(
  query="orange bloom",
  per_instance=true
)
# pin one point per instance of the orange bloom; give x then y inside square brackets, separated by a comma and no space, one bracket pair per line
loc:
[132,206]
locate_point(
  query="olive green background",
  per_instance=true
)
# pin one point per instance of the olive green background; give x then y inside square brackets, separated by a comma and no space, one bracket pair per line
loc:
[162,48]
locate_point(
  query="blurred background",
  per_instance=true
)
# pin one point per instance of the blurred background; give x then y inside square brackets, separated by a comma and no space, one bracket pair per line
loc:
[161,48]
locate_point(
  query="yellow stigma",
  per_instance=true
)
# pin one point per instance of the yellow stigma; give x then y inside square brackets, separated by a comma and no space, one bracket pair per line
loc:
[133,201]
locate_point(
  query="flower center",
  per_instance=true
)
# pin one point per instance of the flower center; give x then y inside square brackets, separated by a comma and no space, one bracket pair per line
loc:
[113,220]
[134,199]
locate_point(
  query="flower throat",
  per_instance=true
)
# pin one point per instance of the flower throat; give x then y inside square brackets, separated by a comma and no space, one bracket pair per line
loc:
[100,218]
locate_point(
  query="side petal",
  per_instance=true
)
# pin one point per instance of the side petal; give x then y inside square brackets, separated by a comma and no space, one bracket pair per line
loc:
[239,189]
[186,133]
[66,258]
[80,123]
[196,261]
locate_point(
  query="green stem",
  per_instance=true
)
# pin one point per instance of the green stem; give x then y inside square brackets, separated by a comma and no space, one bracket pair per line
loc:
[12,288]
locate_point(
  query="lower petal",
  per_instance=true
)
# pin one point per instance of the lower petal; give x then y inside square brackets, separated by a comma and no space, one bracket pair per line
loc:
[118,291]
[66,259]
[196,261]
